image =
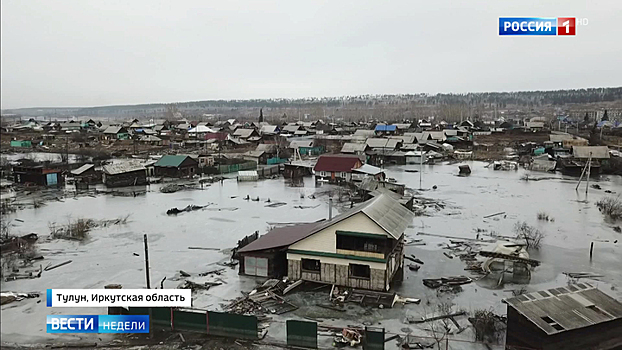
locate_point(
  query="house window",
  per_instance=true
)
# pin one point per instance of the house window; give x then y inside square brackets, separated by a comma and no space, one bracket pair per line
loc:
[360,271]
[361,244]
[310,265]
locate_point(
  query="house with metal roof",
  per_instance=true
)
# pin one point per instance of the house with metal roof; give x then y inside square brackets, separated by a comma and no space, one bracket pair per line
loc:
[593,152]
[576,316]
[116,133]
[360,248]
[354,148]
[367,170]
[269,130]
[127,173]
[306,147]
[336,167]
[384,144]
[245,134]
[176,166]
[385,129]
[364,133]
[290,128]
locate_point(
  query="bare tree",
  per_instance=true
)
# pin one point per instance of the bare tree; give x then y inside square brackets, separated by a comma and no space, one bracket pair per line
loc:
[531,235]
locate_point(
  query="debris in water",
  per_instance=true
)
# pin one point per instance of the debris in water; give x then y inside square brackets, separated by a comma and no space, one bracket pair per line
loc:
[446,281]
[306,206]
[275,205]
[171,188]
[191,207]
[48,268]
[9,297]
[582,275]
[495,214]
[434,318]
[464,169]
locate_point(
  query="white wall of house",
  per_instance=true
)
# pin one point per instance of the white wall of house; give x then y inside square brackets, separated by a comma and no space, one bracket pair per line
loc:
[326,240]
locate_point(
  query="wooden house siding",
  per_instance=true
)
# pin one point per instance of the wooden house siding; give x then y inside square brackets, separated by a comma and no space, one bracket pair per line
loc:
[336,271]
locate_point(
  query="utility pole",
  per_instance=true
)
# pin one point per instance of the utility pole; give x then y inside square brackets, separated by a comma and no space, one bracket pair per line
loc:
[420,168]
[147,262]
[589,167]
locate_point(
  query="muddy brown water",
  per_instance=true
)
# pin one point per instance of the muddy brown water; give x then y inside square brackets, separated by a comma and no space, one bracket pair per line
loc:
[107,256]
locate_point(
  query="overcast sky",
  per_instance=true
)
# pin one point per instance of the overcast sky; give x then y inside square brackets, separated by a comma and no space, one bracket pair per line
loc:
[89,52]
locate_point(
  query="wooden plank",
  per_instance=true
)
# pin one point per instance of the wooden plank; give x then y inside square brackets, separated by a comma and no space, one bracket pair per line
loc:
[560,314]
[603,301]
[534,314]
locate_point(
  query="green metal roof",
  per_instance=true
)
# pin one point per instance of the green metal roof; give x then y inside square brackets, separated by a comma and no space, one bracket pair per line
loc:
[170,161]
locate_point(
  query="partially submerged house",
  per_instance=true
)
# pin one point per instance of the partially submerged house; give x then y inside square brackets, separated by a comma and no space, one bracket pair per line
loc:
[86,174]
[39,174]
[176,166]
[259,157]
[267,256]
[366,170]
[361,248]
[130,173]
[577,316]
[336,167]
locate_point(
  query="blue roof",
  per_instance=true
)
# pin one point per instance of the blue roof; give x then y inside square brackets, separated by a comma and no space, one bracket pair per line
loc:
[386,127]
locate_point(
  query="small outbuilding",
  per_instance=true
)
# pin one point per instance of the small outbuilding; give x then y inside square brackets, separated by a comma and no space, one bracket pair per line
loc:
[130,173]
[86,174]
[176,166]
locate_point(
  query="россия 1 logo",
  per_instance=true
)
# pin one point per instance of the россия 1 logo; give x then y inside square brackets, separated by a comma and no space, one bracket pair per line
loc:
[539,26]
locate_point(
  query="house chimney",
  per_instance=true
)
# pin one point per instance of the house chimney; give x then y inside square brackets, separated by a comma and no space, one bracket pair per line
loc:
[330,209]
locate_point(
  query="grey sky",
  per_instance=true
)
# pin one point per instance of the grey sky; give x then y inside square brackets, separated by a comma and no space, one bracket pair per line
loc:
[88,52]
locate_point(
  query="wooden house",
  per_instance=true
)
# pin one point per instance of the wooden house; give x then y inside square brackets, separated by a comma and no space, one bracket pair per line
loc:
[336,167]
[361,248]
[176,166]
[576,316]
[39,174]
[131,173]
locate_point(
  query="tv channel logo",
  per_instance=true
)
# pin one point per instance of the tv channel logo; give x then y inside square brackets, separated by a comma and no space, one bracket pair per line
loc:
[539,26]
[98,324]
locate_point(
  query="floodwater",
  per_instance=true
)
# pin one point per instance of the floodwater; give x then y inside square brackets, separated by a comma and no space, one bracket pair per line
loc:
[108,256]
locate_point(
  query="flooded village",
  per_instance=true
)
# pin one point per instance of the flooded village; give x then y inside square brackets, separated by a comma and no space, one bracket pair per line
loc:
[482,233]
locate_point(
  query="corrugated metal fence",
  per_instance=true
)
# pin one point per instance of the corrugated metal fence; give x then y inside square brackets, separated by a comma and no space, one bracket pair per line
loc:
[208,322]
[231,168]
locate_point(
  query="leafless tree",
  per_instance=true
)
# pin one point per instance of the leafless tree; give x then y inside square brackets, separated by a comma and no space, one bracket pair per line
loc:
[531,235]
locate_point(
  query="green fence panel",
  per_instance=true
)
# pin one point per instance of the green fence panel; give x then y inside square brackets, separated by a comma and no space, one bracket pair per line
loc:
[231,325]
[302,333]
[275,160]
[160,316]
[374,339]
[190,320]
[138,311]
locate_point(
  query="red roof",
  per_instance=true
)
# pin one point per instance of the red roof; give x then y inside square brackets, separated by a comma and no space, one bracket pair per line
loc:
[337,163]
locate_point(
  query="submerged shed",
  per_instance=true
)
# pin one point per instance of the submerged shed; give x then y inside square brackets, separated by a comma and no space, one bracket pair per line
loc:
[250,175]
